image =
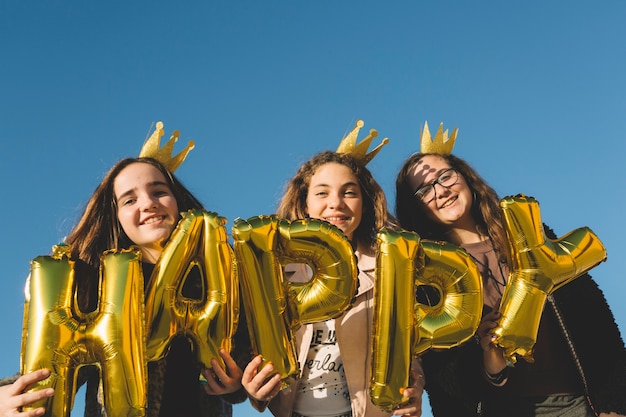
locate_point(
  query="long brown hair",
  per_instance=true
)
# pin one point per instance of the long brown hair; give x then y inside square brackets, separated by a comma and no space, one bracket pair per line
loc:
[485,207]
[99,229]
[375,214]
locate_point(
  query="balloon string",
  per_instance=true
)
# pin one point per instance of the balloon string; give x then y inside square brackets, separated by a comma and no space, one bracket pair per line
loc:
[485,269]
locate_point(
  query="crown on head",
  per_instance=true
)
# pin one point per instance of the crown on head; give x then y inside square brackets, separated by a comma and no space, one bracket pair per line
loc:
[359,151]
[151,149]
[442,144]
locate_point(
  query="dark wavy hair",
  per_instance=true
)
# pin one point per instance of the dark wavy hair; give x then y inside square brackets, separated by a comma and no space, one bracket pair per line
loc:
[99,229]
[375,213]
[485,210]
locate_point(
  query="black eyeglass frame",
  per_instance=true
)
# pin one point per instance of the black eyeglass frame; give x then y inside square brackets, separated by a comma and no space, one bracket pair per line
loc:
[422,191]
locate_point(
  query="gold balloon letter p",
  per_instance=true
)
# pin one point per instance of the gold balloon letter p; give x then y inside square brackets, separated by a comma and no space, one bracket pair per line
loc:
[404,328]
[539,266]
[263,245]
[61,338]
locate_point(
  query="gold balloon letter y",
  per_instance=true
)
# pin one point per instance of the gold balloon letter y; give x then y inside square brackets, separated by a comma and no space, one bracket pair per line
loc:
[539,266]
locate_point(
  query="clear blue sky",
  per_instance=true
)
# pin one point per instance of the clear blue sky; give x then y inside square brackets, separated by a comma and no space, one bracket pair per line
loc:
[536,88]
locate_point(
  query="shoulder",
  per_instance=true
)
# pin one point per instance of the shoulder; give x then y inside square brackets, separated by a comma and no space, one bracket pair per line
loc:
[8,380]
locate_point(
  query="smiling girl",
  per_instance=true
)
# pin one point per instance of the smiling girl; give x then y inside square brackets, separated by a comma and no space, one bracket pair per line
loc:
[334,355]
[138,204]
[577,370]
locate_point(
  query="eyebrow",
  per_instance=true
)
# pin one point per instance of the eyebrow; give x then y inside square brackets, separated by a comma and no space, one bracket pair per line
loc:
[152,184]
[437,174]
[347,184]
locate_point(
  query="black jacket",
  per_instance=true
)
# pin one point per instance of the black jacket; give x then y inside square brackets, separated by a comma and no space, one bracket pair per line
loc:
[454,378]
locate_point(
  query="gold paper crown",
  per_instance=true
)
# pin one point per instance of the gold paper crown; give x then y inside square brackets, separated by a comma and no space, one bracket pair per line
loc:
[442,144]
[151,149]
[359,151]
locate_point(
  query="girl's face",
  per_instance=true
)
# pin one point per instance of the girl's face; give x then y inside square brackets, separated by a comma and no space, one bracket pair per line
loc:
[146,207]
[449,205]
[335,196]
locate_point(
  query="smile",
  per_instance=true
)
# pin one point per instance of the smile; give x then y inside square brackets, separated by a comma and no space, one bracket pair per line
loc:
[154,219]
[449,202]
[336,219]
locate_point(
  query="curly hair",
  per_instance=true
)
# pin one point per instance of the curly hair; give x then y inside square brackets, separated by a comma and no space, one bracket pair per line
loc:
[375,213]
[485,207]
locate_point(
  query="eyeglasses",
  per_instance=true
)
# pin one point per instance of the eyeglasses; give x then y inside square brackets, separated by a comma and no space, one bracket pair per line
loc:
[446,179]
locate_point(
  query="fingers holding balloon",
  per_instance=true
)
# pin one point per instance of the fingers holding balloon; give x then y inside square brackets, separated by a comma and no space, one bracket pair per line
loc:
[26,381]
[413,407]
[493,355]
[233,373]
[484,335]
[12,397]
[222,381]
[274,384]
[263,384]
[414,393]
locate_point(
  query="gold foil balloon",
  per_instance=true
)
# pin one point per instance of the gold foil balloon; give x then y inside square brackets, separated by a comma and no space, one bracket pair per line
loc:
[394,322]
[455,318]
[199,241]
[538,267]
[275,306]
[263,293]
[58,336]
[335,274]
[404,328]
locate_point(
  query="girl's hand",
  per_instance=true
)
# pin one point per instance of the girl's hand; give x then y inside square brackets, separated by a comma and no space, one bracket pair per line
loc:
[261,385]
[493,356]
[12,397]
[489,322]
[414,407]
[220,381]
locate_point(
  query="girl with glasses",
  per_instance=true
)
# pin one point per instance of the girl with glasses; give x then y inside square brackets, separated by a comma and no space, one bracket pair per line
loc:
[579,370]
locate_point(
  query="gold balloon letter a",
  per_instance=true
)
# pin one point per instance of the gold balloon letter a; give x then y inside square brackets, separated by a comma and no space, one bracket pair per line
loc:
[61,338]
[200,242]
[275,307]
[538,268]
[404,328]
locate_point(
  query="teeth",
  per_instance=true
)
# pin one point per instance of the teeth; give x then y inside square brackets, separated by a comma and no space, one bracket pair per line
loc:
[154,219]
[334,219]
[448,202]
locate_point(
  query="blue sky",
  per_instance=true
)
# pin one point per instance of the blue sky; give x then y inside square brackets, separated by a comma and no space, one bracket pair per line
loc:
[537,90]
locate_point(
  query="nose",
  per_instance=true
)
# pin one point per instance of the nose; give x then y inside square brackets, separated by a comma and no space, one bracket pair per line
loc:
[335,201]
[442,191]
[149,202]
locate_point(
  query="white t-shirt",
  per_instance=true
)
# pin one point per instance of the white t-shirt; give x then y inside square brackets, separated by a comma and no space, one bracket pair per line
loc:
[323,376]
